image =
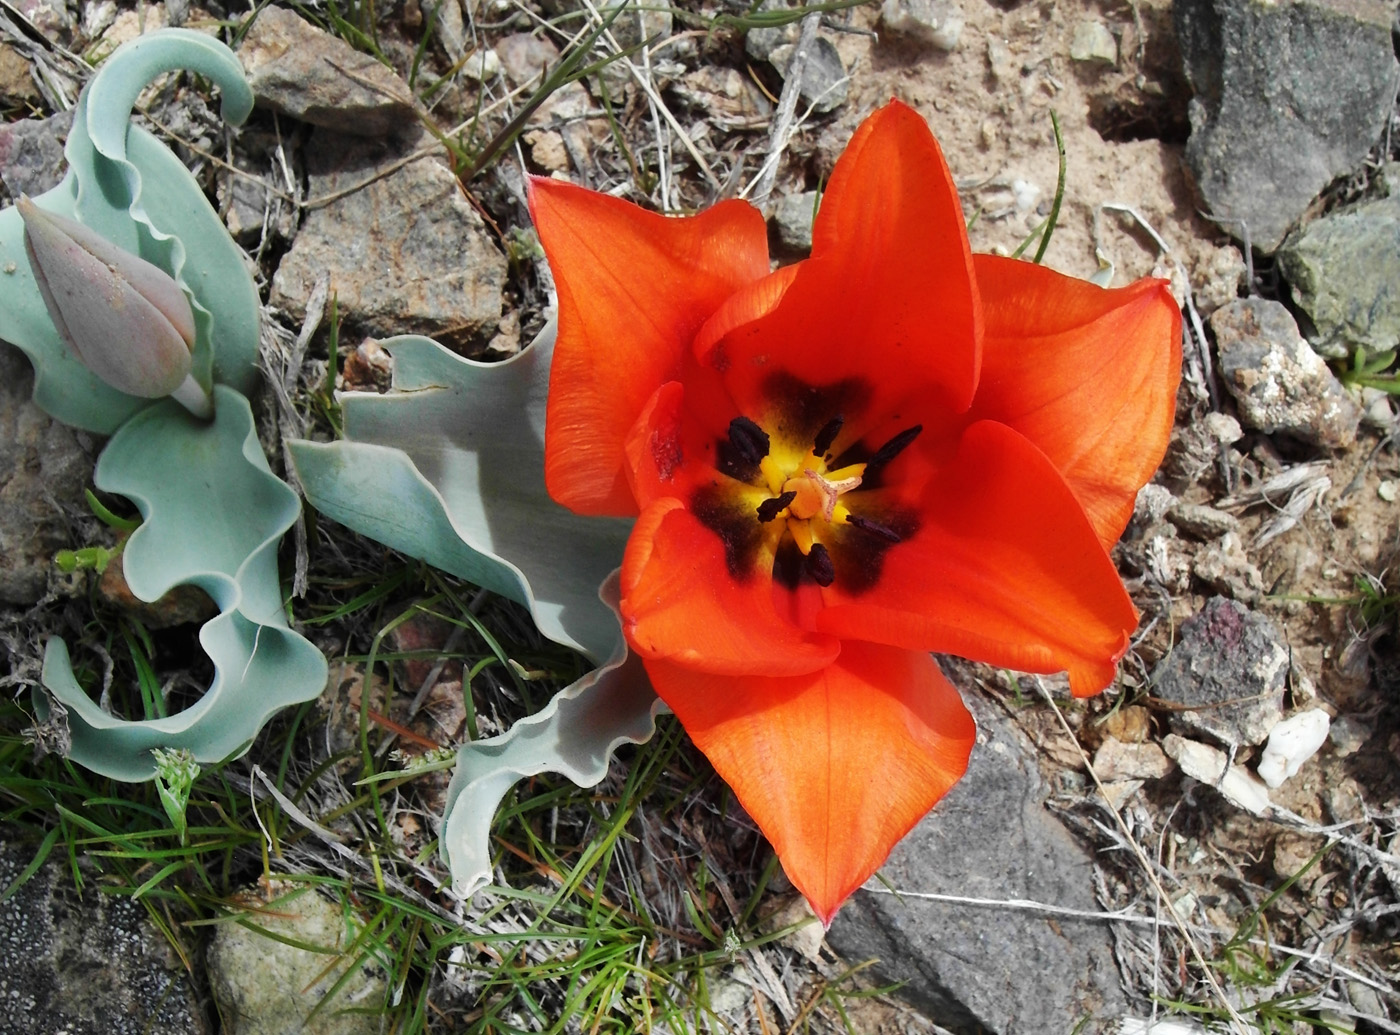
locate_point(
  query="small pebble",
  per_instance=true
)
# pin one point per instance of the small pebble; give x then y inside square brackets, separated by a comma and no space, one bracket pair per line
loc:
[1388,490]
[1292,742]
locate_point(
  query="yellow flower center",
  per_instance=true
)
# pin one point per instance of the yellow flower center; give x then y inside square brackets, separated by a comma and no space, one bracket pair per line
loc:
[813,493]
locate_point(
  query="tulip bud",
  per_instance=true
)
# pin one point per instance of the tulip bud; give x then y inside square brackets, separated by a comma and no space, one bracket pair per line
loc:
[125,319]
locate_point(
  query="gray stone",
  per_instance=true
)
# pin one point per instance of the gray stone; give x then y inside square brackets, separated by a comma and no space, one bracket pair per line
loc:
[792,221]
[43,469]
[1288,96]
[405,252]
[1227,673]
[937,24]
[31,154]
[984,969]
[1279,383]
[85,965]
[301,71]
[1344,270]
[267,987]
[825,85]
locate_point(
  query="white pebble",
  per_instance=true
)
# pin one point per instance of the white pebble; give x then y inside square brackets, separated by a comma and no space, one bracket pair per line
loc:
[1293,741]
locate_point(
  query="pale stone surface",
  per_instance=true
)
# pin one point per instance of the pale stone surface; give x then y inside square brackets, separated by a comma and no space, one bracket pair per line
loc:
[267,987]
[405,252]
[937,24]
[1210,766]
[298,70]
[1115,760]
[1093,42]
[1279,382]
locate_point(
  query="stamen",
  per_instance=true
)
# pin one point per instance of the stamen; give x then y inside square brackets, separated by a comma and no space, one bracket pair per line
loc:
[748,439]
[893,447]
[827,435]
[819,565]
[771,508]
[874,527]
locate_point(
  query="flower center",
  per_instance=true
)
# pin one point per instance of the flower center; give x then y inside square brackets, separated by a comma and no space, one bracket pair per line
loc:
[797,509]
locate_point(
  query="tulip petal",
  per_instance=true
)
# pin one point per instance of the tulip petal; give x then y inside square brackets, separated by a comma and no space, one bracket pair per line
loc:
[681,603]
[834,766]
[1087,374]
[888,295]
[634,287]
[1004,568]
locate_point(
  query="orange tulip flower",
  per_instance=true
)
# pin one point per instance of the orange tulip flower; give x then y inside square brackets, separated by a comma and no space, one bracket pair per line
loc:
[891,448]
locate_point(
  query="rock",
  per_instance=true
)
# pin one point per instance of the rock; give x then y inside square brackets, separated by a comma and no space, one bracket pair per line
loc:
[1376,412]
[1093,42]
[1229,670]
[85,965]
[1208,765]
[791,911]
[1292,852]
[301,71]
[183,605]
[1349,735]
[1292,742]
[1152,503]
[722,94]
[792,222]
[50,17]
[450,28]
[405,253]
[825,85]
[31,154]
[483,66]
[1219,275]
[98,15]
[1344,272]
[253,207]
[525,57]
[937,24]
[759,43]
[1225,567]
[1288,96]
[17,87]
[268,987]
[1278,381]
[991,837]
[1130,724]
[1202,522]
[1197,447]
[1115,760]
[43,469]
